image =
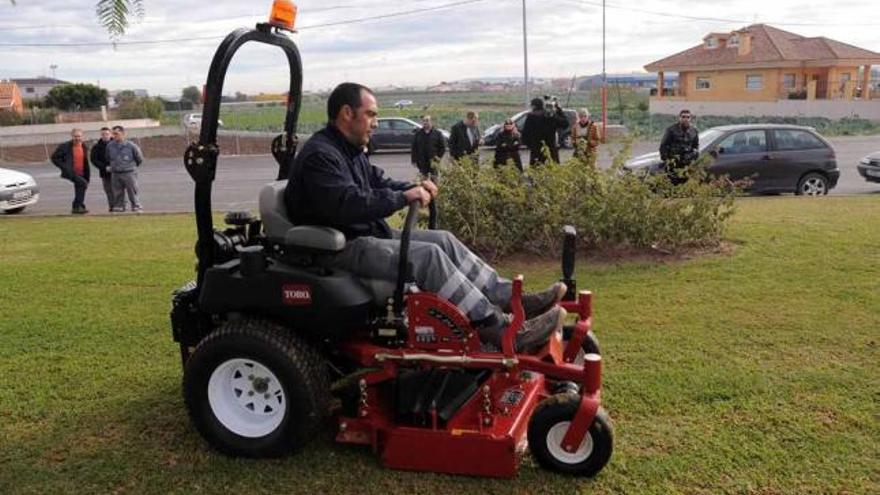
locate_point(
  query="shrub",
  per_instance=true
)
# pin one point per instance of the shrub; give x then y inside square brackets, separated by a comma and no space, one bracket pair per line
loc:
[138,108]
[497,211]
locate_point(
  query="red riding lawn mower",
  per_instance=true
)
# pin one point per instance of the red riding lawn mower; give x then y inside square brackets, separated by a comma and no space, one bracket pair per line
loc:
[274,346]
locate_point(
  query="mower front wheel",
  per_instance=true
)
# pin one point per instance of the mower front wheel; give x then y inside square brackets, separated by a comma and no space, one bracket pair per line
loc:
[255,389]
[548,426]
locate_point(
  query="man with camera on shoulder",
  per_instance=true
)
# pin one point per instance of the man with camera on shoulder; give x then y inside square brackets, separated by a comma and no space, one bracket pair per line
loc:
[540,129]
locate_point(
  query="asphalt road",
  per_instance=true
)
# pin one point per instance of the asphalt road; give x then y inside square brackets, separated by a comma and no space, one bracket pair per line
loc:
[166,187]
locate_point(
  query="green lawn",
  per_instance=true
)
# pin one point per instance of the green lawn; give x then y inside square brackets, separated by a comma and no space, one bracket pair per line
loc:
[755,372]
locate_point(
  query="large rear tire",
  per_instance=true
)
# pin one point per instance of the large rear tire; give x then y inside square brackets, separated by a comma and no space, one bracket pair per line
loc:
[548,426]
[254,388]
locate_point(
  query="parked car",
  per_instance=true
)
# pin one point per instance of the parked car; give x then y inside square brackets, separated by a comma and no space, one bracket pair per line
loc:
[869,167]
[18,190]
[491,133]
[777,158]
[396,133]
[195,120]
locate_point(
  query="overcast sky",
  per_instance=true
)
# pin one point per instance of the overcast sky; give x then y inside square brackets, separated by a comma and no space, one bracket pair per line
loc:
[467,40]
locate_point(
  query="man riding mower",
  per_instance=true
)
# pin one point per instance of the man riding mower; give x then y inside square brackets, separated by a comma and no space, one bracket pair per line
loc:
[283,318]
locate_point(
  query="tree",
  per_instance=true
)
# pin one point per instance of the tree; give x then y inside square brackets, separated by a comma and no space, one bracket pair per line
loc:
[125,95]
[114,14]
[192,95]
[76,97]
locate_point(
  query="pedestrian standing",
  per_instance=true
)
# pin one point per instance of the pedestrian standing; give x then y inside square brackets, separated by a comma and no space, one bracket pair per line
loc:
[99,159]
[124,157]
[585,138]
[464,138]
[539,131]
[679,147]
[72,158]
[428,148]
[507,146]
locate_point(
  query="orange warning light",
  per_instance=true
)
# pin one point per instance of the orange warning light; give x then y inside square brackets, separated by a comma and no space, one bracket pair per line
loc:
[283,14]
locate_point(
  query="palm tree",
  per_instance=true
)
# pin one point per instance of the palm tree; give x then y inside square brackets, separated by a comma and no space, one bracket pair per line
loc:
[114,15]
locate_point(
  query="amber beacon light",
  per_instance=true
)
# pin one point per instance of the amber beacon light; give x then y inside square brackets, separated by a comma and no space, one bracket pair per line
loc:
[283,14]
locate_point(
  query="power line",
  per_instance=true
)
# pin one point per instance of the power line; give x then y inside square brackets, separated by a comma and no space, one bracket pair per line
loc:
[714,19]
[204,38]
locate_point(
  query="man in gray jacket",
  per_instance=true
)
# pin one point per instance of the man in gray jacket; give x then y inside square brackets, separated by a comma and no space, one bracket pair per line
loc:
[124,157]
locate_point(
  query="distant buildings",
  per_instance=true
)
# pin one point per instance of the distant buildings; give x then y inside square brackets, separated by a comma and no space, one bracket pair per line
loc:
[10,98]
[37,87]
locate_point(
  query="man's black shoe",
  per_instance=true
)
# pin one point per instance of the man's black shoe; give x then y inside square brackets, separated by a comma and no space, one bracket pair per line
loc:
[540,302]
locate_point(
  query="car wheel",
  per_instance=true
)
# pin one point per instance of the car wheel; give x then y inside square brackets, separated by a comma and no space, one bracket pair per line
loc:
[547,428]
[13,211]
[254,388]
[812,184]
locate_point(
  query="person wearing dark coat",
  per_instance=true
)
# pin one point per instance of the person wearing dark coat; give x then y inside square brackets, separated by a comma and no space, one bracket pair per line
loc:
[507,146]
[428,146]
[464,138]
[98,157]
[540,129]
[72,158]
[679,147]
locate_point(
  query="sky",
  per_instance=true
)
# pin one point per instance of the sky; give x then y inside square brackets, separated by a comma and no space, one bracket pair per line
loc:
[404,44]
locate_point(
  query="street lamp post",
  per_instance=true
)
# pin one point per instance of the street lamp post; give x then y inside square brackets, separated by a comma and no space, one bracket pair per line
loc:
[525,56]
[53,67]
[604,80]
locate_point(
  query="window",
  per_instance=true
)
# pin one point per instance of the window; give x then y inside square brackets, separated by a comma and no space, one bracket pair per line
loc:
[711,42]
[28,90]
[794,139]
[789,81]
[703,83]
[744,142]
[385,125]
[733,41]
[754,81]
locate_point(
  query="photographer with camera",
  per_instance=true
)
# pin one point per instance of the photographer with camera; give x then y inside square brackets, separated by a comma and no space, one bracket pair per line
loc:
[679,147]
[540,129]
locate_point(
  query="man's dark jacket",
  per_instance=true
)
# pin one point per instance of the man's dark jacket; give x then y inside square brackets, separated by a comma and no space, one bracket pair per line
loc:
[426,147]
[332,183]
[459,141]
[680,143]
[540,129]
[63,159]
[99,159]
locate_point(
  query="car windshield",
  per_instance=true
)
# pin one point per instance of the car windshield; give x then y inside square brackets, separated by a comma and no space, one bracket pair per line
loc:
[707,137]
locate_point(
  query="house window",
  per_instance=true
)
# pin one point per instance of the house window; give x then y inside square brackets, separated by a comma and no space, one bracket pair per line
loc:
[711,42]
[789,81]
[733,41]
[703,83]
[28,90]
[754,81]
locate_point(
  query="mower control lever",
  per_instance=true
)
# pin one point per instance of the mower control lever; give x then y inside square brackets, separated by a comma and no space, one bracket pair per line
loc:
[403,268]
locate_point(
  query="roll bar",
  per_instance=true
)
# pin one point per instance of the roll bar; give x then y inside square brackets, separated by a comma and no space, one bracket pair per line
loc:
[200,158]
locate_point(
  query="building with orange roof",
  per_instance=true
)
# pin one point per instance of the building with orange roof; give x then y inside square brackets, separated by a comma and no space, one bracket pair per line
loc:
[761,63]
[10,98]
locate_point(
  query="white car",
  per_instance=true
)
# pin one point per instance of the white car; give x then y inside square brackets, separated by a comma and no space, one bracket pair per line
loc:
[195,120]
[17,191]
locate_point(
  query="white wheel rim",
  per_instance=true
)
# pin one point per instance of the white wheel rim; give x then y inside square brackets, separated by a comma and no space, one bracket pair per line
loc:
[246,397]
[813,187]
[554,445]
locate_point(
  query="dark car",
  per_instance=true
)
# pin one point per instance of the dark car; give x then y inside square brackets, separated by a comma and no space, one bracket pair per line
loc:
[491,133]
[869,167]
[777,158]
[396,133]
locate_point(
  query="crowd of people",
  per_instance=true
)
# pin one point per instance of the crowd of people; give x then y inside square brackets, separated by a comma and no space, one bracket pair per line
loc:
[540,134]
[116,159]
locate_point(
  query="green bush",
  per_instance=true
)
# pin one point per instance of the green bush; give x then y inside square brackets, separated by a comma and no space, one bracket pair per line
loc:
[497,211]
[139,108]
[10,118]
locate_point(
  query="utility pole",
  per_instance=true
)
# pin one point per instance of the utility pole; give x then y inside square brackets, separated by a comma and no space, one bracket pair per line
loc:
[53,67]
[525,56]
[604,80]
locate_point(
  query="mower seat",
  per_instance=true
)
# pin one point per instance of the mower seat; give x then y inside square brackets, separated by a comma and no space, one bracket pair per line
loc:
[279,230]
[312,238]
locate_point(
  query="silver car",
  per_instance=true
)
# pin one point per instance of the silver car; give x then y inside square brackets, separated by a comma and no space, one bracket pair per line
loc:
[18,190]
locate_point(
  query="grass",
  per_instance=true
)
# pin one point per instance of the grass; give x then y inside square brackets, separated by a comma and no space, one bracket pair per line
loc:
[754,372]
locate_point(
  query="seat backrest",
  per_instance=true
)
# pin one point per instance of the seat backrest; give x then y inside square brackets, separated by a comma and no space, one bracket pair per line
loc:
[273,211]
